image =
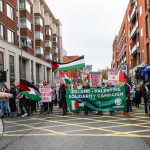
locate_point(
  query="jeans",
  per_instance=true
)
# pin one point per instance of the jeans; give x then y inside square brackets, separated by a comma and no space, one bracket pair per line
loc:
[6,104]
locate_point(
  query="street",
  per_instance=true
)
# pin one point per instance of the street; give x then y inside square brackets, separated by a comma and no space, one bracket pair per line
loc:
[76,131]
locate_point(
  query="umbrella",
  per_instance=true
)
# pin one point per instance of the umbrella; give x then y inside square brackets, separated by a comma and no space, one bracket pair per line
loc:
[30,95]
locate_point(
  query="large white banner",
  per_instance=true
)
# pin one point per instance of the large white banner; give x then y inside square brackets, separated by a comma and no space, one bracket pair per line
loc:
[46,94]
[113,77]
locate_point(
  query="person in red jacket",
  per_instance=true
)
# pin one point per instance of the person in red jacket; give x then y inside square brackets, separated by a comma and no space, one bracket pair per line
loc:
[127,93]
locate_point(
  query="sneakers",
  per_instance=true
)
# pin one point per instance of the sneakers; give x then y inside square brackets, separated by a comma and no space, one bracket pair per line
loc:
[24,115]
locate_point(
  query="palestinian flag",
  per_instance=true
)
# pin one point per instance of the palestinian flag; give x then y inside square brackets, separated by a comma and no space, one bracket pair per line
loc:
[67,80]
[29,90]
[78,63]
[75,105]
[123,77]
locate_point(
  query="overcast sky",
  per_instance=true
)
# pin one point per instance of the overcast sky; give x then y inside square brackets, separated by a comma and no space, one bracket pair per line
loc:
[89,27]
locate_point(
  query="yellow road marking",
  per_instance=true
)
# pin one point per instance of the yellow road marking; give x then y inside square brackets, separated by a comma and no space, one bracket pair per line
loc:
[32,127]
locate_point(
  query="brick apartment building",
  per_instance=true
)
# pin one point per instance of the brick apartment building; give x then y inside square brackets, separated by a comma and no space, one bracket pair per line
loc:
[131,47]
[30,37]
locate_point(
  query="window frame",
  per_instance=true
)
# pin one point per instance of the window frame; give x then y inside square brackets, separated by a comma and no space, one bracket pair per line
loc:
[41,22]
[11,9]
[41,35]
[2,35]
[1,6]
[50,43]
[41,50]
[26,24]
[49,31]
[12,36]
[26,44]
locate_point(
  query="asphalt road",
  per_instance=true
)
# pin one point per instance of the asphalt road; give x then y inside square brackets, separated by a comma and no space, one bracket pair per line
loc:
[77,132]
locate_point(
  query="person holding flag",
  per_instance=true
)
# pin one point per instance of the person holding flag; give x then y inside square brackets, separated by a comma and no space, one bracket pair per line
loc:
[127,93]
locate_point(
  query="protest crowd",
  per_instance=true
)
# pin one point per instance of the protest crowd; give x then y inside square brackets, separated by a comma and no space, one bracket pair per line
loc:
[21,104]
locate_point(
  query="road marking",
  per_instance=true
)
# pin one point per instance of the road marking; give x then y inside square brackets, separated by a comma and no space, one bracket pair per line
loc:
[84,135]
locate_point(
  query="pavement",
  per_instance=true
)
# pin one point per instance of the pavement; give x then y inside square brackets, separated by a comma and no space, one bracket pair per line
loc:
[77,132]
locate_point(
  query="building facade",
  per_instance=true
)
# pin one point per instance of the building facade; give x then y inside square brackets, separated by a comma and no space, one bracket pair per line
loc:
[131,47]
[30,38]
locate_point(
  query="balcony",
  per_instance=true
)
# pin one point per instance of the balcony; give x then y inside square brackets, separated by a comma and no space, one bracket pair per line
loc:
[48,56]
[135,47]
[133,31]
[123,48]
[121,39]
[133,13]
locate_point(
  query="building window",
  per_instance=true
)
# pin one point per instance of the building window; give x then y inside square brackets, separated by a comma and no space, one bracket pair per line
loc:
[141,32]
[11,68]
[55,59]
[38,35]
[55,49]
[10,36]
[38,21]
[147,30]
[25,41]
[48,56]
[32,72]
[26,23]
[48,31]
[22,68]
[48,44]
[55,39]
[28,7]
[39,50]
[1,5]
[140,10]
[1,31]
[142,56]
[1,61]
[37,73]
[25,5]
[10,12]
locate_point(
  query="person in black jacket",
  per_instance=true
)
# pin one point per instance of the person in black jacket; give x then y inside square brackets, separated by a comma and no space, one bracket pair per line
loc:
[12,101]
[23,104]
[138,95]
[145,94]
[63,98]
[86,85]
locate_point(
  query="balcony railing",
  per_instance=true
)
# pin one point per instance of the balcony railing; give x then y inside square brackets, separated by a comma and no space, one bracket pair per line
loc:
[121,38]
[124,46]
[133,12]
[133,31]
[135,47]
